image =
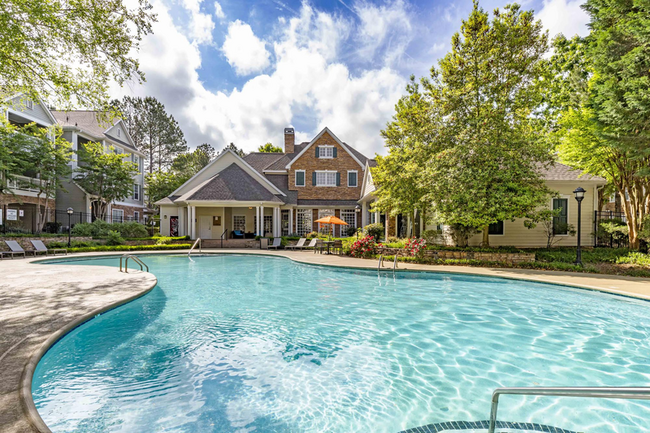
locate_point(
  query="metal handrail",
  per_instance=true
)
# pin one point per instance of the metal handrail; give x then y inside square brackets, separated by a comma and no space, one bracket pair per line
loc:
[222,234]
[136,259]
[381,261]
[198,241]
[395,261]
[627,393]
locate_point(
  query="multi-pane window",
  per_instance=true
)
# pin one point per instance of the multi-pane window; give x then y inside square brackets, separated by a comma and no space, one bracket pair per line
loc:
[560,221]
[29,104]
[325,178]
[352,178]
[136,191]
[268,224]
[284,218]
[136,216]
[118,215]
[322,213]
[325,152]
[350,217]
[496,228]
[303,221]
[239,222]
[300,177]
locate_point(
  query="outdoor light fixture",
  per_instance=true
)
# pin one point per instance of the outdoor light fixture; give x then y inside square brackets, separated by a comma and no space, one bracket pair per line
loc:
[357,210]
[580,195]
[70,212]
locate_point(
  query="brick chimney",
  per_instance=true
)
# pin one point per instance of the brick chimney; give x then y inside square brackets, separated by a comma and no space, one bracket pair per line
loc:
[289,140]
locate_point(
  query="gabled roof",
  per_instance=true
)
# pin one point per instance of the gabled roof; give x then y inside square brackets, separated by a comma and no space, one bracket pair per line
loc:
[231,183]
[262,178]
[349,149]
[90,123]
[39,101]
[260,160]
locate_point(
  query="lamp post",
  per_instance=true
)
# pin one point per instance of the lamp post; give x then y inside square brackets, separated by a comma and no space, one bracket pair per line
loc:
[70,211]
[357,211]
[580,194]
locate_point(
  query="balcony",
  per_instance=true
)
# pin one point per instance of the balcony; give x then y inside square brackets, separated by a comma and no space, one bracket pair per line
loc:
[23,185]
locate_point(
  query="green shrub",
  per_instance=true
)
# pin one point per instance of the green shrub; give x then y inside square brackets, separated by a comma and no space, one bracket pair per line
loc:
[114,238]
[73,244]
[163,240]
[131,229]
[432,236]
[375,230]
[635,258]
[100,229]
[129,248]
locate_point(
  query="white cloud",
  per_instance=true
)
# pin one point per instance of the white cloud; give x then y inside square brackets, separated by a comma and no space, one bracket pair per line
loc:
[564,16]
[244,51]
[386,29]
[307,80]
[201,25]
[218,11]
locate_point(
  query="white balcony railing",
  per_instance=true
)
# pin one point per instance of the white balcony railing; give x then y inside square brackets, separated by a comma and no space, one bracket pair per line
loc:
[23,184]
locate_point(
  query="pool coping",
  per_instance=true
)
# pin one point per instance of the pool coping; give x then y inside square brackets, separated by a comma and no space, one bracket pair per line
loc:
[537,276]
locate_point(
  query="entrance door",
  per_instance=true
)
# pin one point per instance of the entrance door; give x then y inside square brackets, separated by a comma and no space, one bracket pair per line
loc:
[205,227]
[173,226]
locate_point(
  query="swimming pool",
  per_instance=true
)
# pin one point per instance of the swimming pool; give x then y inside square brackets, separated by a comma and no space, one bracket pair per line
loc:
[235,343]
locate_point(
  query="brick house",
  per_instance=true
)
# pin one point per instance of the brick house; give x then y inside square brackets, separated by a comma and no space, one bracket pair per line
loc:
[270,194]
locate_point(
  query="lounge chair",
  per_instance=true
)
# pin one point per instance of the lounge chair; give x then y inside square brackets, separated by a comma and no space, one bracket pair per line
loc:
[277,242]
[15,249]
[299,246]
[312,243]
[41,248]
[238,234]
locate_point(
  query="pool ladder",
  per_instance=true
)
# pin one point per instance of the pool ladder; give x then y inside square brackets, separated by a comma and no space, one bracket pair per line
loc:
[381,262]
[627,393]
[136,259]
[198,241]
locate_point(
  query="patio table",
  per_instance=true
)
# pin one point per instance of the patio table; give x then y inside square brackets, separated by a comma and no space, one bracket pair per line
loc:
[328,243]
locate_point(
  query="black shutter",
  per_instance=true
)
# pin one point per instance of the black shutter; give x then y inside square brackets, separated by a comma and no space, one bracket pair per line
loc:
[338,179]
[334,153]
[313,175]
[316,151]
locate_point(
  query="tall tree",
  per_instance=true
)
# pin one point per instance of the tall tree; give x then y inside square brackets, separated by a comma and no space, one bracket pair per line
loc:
[154,132]
[400,177]
[106,175]
[69,51]
[269,148]
[487,151]
[604,127]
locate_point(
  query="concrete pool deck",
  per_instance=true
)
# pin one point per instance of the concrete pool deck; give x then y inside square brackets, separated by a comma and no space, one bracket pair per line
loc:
[39,304]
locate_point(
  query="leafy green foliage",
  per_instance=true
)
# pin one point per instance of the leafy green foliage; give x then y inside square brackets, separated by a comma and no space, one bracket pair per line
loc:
[100,229]
[376,230]
[269,148]
[130,248]
[70,50]
[635,258]
[109,176]
[114,238]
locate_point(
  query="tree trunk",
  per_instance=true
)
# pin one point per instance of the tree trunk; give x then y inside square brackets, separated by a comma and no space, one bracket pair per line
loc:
[486,237]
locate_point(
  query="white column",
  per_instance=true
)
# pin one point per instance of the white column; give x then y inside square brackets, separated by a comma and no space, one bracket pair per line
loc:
[193,222]
[257,220]
[262,231]
[276,222]
[290,220]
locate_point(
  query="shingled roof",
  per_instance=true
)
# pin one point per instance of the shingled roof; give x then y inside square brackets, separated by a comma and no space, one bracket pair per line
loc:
[559,171]
[232,183]
[90,122]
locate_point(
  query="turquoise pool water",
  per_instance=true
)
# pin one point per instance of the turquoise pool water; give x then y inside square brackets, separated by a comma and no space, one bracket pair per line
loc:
[261,344]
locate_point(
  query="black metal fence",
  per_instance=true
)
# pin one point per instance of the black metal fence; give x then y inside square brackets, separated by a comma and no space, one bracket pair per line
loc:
[607,238]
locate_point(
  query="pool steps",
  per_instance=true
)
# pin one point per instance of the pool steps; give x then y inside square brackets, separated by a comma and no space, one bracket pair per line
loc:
[483,427]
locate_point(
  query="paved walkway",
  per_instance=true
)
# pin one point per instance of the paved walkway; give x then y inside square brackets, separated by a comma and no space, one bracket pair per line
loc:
[40,303]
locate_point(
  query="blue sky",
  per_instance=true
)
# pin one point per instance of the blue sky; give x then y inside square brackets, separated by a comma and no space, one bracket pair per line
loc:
[241,70]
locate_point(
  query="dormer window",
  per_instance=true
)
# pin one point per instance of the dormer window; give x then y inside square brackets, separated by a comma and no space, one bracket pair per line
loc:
[29,104]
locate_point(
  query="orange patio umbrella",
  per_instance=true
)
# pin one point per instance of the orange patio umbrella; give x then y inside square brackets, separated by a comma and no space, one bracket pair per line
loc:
[331,220]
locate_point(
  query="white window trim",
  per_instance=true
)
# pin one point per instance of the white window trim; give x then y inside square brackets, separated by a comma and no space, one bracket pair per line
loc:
[120,212]
[325,171]
[325,146]
[304,178]
[568,209]
[136,216]
[29,104]
[119,132]
[350,210]
[356,177]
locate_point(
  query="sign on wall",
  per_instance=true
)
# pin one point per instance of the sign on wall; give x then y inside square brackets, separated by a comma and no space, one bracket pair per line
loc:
[216,220]
[21,213]
[0,217]
[12,214]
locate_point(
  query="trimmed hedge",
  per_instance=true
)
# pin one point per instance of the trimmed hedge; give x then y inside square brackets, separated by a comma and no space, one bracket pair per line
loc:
[129,248]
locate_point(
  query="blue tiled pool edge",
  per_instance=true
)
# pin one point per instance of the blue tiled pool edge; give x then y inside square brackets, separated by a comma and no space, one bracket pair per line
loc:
[473,425]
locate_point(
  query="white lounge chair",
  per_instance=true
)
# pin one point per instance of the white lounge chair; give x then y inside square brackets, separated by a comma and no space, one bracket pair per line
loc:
[41,248]
[299,246]
[312,244]
[277,242]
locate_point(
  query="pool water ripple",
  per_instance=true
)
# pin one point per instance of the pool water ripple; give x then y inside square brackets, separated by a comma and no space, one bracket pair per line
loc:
[259,344]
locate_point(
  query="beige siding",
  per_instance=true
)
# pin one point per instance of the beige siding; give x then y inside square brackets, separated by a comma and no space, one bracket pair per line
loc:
[516,234]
